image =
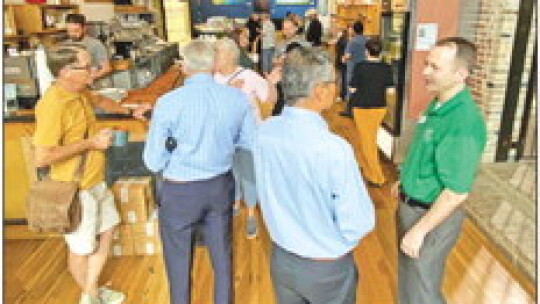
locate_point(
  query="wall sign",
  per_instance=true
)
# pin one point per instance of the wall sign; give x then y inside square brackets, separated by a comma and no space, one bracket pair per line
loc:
[426,36]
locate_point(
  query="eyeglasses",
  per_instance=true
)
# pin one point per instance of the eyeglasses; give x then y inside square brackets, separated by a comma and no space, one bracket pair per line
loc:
[84,68]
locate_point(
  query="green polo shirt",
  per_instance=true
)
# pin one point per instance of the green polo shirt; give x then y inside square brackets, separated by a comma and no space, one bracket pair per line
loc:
[446,149]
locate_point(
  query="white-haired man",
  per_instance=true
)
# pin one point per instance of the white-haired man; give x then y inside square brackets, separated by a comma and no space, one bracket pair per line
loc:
[208,121]
[262,94]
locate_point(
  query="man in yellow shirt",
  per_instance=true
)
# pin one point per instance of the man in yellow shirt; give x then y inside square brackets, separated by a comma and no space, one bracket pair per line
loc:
[65,131]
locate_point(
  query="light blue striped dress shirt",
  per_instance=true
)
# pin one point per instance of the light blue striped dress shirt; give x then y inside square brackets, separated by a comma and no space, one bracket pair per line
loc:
[208,120]
[313,199]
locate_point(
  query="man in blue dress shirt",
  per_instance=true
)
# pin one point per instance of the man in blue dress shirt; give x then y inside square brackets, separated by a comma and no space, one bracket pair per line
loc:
[208,121]
[313,199]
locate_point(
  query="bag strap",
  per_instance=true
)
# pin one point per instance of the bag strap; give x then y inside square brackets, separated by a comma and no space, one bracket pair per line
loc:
[233,76]
[80,168]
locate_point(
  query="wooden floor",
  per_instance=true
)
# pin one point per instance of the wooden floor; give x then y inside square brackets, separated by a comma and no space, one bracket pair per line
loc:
[35,270]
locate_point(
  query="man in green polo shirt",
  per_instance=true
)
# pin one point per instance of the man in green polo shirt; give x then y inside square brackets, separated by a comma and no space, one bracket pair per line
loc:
[437,173]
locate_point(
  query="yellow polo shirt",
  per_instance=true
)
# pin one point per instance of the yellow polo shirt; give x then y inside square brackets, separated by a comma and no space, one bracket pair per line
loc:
[61,119]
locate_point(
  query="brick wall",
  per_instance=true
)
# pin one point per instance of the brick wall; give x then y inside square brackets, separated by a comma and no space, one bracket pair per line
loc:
[491,25]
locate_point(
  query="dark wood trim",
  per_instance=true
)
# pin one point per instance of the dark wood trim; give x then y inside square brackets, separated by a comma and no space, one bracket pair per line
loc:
[531,88]
[517,62]
[15,222]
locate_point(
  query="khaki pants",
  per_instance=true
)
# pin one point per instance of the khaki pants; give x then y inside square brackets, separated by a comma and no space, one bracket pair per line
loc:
[367,123]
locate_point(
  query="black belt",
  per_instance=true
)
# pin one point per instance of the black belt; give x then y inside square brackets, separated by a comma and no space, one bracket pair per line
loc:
[412,202]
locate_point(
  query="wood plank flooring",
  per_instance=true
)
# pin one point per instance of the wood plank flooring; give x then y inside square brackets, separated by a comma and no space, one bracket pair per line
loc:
[35,270]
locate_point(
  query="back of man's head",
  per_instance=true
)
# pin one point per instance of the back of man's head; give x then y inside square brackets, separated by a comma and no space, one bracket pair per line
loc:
[374,47]
[465,51]
[62,56]
[303,69]
[198,56]
[358,28]
[228,45]
[76,19]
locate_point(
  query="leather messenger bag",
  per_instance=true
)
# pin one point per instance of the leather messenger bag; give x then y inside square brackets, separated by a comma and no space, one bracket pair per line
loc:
[54,206]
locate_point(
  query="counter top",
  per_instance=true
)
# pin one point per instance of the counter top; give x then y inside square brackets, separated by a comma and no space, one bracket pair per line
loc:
[161,85]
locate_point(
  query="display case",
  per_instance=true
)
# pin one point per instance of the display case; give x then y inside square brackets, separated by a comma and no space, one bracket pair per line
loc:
[394,36]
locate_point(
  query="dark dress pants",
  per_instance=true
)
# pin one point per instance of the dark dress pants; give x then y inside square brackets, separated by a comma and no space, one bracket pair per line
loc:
[298,280]
[184,206]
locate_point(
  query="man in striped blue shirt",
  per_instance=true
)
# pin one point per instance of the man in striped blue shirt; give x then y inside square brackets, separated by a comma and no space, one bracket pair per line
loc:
[313,199]
[208,121]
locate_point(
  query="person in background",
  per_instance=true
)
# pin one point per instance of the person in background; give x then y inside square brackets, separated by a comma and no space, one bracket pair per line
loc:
[268,43]
[262,94]
[76,32]
[208,121]
[438,173]
[254,26]
[355,52]
[290,35]
[312,197]
[65,130]
[341,67]
[314,29]
[370,82]
[299,23]
[241,37]
[291,40]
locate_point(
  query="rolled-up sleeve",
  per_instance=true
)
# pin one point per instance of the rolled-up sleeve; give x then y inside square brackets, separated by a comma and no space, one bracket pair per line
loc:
[155,155]
[354,212]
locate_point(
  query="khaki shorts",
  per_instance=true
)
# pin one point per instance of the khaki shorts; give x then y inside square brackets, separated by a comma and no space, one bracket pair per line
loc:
[99,214]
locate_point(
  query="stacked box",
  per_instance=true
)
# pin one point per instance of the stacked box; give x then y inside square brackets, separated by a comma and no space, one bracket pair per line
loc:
[146,238]
[123,243]
[138,232]
[134,198]
[137,239]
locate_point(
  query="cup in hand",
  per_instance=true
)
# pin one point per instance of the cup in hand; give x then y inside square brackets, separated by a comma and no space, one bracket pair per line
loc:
[120,138]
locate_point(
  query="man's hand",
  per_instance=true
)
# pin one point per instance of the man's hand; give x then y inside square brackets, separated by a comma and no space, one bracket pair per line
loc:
[274,76]
[139,111]
[412,242]
[102,140]
[394,191]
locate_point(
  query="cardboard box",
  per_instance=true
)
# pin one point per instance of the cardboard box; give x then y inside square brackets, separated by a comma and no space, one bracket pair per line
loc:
[134,198]
[137,239]
[123,243]
[147,246]
[146,237]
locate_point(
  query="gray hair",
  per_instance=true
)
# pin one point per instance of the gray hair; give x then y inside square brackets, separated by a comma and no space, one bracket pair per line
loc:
[303,69]
[229,46]
[198,56]
[61,56]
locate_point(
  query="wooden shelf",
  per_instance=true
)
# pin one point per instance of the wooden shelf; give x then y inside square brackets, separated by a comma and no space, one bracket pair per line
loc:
[29,19]
[59,6]
[50,31]
[131,9]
